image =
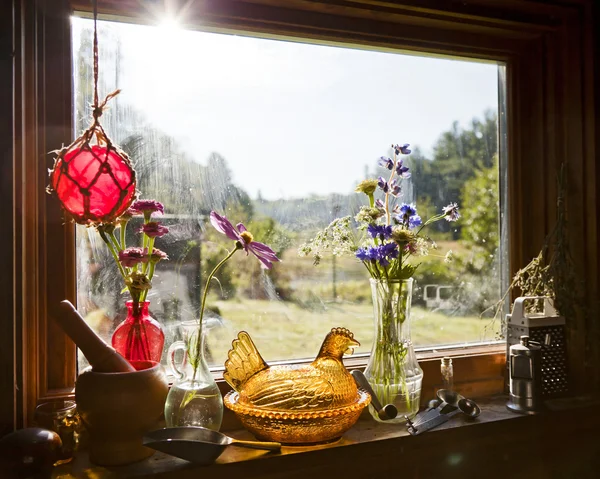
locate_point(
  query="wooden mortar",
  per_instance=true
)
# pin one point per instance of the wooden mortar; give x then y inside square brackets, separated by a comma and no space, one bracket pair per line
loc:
[118,409]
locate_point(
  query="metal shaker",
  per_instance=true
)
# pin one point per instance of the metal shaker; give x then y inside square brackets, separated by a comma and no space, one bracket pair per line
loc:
[525,383]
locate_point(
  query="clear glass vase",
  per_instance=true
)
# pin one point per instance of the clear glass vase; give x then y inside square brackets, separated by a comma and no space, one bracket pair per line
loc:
[393,370]
[140,337]
[194,399]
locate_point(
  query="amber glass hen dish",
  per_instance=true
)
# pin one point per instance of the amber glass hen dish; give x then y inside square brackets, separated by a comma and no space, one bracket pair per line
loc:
[303,404]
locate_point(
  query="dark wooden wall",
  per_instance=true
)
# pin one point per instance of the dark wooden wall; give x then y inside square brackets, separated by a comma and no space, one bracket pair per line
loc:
[6,212]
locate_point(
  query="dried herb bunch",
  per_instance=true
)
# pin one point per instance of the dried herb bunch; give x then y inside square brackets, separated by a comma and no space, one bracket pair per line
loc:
[552,272]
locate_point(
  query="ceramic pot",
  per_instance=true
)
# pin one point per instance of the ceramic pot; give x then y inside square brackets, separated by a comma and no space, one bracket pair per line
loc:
[118,409]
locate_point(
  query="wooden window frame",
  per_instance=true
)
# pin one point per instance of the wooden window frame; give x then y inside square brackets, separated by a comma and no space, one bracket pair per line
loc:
[547,46]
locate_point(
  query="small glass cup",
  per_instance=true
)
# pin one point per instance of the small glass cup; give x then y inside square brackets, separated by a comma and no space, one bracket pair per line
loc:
[61,417]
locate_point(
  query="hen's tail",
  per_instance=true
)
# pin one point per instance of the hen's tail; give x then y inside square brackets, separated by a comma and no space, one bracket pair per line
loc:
[243,361]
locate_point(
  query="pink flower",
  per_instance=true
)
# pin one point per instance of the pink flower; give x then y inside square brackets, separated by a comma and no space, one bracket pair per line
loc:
[157,255]
[239,233]
[131,256]
[140,207]
[153,229]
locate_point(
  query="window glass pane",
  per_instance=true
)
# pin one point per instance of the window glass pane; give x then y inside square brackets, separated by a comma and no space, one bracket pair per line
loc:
[276,134]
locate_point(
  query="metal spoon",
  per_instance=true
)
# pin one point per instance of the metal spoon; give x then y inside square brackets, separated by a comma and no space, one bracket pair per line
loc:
[465,406]
[386,412]
[446,402]
[198,444]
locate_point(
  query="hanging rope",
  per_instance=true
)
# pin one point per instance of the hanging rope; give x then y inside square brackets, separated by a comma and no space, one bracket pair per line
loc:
[80,169]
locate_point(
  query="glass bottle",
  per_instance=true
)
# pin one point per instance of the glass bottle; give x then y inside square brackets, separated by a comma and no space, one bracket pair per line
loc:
[194,399]
[393,370]
[140,337]
[447,374]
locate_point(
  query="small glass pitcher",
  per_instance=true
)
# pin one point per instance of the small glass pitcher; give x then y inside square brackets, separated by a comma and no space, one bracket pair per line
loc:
[194,399]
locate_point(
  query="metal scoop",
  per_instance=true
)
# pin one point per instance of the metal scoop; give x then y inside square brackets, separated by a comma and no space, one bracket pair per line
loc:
[386,412]
[198,444]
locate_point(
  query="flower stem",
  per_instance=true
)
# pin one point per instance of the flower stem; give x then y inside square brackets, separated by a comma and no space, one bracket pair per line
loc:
[113,252]
[203,305]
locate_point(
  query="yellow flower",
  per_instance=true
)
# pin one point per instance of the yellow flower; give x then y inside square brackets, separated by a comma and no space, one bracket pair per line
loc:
[367,187]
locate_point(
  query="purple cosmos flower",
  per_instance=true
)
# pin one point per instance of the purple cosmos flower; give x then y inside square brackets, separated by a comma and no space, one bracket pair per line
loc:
[158,255]
[383,184]
[379,231]
[451,212]
[395,188]
[153,229]
[402,170]
[147,207]
[402,149]
[132,256]
[239,234]
[386,162]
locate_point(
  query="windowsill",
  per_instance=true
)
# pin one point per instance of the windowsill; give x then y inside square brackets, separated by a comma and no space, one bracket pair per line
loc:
[369,447]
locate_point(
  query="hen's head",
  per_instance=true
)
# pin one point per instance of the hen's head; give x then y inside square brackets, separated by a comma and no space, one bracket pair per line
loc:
[338,342]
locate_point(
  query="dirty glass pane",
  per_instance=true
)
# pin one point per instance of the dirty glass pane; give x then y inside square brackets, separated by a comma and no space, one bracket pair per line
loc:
[276,134]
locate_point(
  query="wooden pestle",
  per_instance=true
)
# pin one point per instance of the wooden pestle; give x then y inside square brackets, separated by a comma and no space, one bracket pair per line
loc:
[100,355]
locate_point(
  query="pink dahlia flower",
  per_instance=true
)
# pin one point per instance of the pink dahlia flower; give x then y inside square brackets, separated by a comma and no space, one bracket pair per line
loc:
[154,229]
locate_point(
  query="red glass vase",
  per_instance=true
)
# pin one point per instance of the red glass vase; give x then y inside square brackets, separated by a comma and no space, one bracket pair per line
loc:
[139,337]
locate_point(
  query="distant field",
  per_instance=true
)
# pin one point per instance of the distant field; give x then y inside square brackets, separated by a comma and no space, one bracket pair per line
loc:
[284,330]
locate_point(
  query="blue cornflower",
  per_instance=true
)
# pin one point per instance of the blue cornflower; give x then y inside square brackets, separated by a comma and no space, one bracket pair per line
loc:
[383,184]
[386,162]
[408,210]
[386,252]
[380,231]
[408,216]
[414,221]
[402,149]
[362,254]
[402,170]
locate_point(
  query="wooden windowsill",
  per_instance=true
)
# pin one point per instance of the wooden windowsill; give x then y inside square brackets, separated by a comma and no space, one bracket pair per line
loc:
[370,448]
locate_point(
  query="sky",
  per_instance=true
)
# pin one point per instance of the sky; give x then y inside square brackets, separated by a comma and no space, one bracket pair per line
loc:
[292,119]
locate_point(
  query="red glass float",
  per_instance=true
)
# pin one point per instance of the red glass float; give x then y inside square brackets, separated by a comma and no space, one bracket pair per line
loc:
[94,183]
[139,337]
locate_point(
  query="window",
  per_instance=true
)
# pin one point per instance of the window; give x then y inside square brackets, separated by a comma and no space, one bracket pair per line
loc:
[277,134]
[549,115]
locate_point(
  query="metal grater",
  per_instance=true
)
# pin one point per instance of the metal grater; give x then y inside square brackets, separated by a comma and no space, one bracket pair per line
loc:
[547,329]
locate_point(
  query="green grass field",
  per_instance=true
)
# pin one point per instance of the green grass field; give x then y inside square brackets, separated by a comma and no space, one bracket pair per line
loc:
[284,330]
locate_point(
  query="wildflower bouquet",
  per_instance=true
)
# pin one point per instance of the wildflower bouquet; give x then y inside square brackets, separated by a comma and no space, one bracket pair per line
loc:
[390,235]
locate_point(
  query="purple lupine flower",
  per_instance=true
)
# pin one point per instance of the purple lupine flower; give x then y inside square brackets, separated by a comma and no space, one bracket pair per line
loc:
[401,170]
[240,234]
[379,231]
[132,256]
[402,149]
[386,162]
[396,209]
[383,184]
[140,207]
[379,204]
[451,212]
[395,187]
[153,229]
